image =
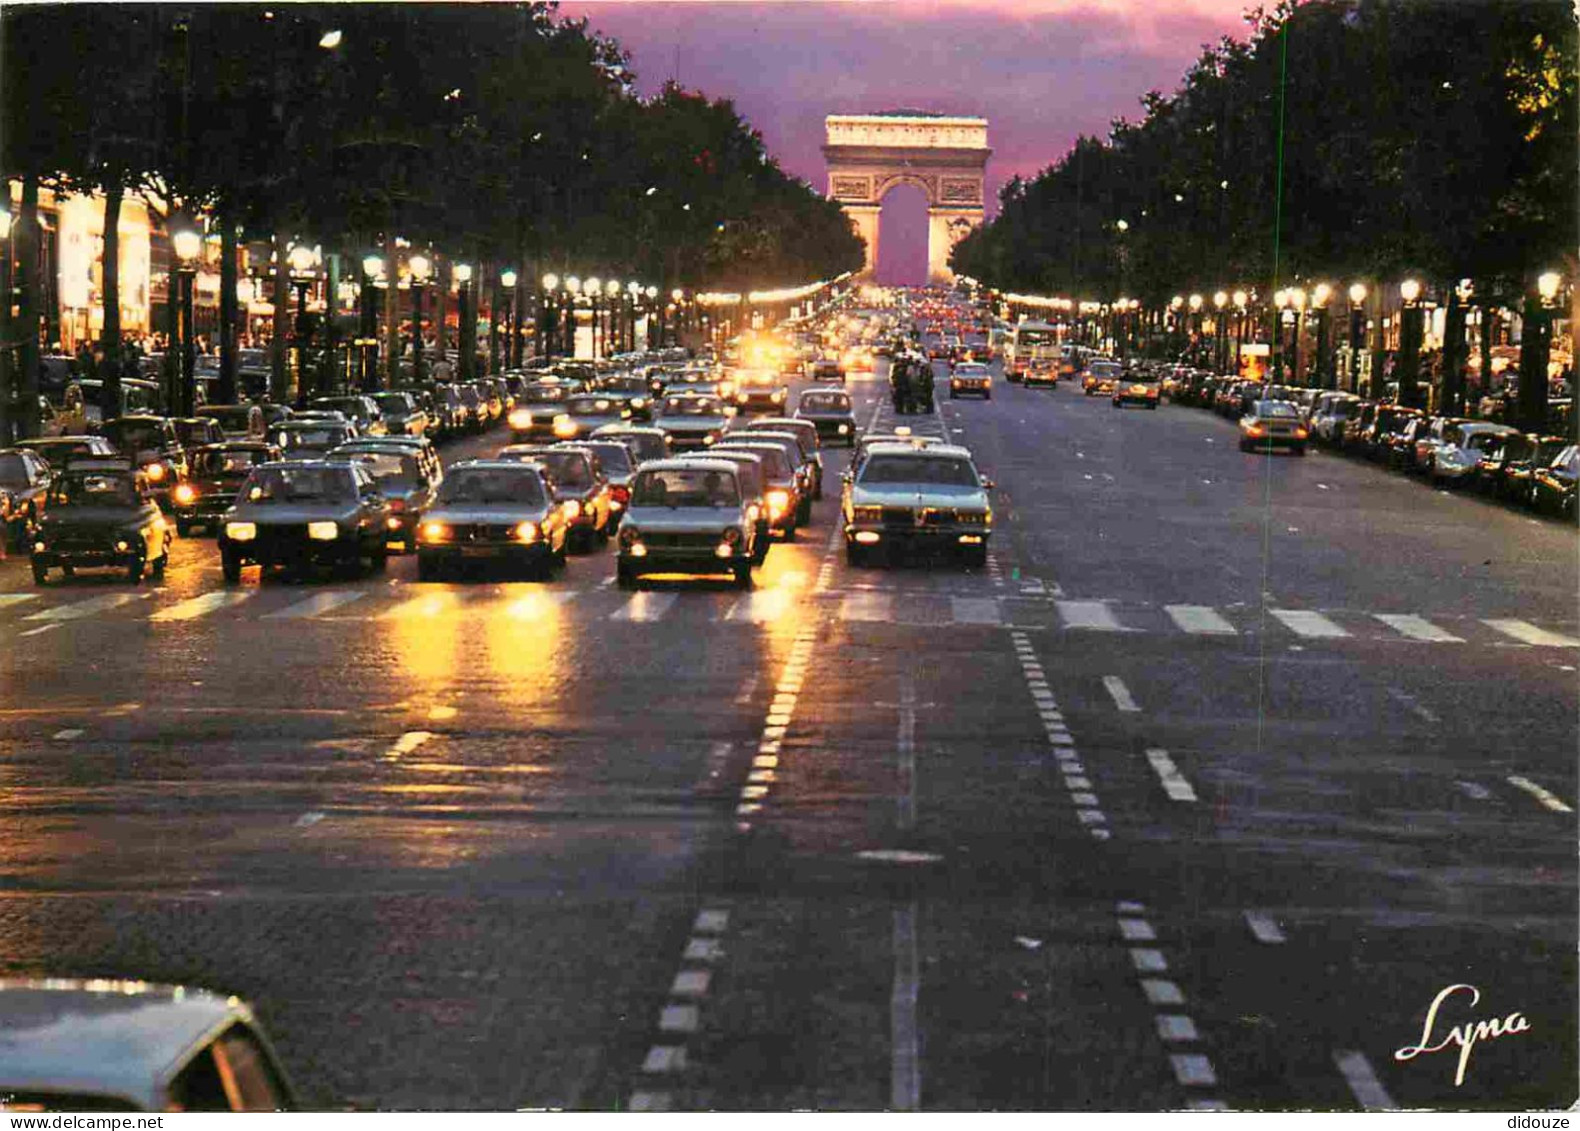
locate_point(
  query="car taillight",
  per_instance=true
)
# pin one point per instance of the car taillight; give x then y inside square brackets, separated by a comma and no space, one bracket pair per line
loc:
[397,505]
[619,493]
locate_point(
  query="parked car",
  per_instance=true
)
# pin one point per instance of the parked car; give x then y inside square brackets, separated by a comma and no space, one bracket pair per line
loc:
[104,1045]
[403,416]
[360,410]
[1509,470]
[1553,486]
[1457,460]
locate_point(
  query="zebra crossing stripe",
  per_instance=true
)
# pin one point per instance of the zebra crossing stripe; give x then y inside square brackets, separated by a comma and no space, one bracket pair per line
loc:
[645,607]
[1304,622]
[90,607]
[1527,633]
[196,607]
[16,598]
[1199,620]
[318,604]
[1417,628]
[1094,615]
[866,607]
[763,606]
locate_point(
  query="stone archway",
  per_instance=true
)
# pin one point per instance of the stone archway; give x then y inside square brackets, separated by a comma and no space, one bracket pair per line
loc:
[945,157]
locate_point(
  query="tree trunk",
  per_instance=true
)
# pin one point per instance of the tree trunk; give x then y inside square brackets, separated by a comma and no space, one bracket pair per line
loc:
[280,389]
[110,337]
[228,312]
[1453,397]
[26,251]
[1536,331]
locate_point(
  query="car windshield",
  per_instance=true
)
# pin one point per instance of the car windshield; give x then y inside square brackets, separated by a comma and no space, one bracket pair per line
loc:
[133,438]
[12,471]
[1104,369]
[775,465]
[616,458]
[392,402]
[692,406]
[570,469]
[685,487]
[387,467]
[488,486]
[825,402]
[190,433]
[299,485]
[591,406]
[1280,410]
[647,447]
[95,489]
[542,394]
[226,462]
[939,470]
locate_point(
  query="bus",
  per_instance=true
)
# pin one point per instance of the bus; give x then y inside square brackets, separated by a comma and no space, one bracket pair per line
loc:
[1032,344]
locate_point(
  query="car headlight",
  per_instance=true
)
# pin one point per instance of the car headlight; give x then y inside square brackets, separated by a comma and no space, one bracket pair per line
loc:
[155,471]
[565,427]
[629,535]
[778,395]
[433,532]
[39,547]
[638,403]
[241,531]
[184,493]
[844,429]
[710,438]
[572,509]
[323,531]
[778,502]
[520,418]
[527,532]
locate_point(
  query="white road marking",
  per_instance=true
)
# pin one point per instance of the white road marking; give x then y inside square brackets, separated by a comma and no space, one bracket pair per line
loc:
[975,610]
[1136,930]
[1473,791]
[1174,783]
[711,921]
[1527,633]
[905,746]
[308,820]
[1148,961]
[16,598]
[1364,1085]
[1304,622]
[1094,615]
[318,604]
[665,1058]
[121,710]
[905,1079]
[645,607]
[40,629]
[442,713]
[703,950]
[679,1019]
[1129,907]
[1176,1027]
[1199,619]
[898,856]
[428,605]
[92,606]
[874,607]
[1549,800]
[1408,703]
[1193,1070]
[762,606]
[1263,928]
[195,607]
[690,983]
[649,1101]
[537,602]
[68,734]
[1160,991]
[1120,693]
[1417,628]
[744,696]
[406,743]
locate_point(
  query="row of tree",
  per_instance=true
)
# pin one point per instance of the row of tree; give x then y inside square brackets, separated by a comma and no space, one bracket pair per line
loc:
[501,133]
[1343,139]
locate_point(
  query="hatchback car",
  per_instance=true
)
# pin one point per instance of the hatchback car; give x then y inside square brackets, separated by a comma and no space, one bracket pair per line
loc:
[830,412]
[687,514]
[1137,387]
[407,476]
[300,514]
[645,443]
[585,413]
[692,421]
[1270,425]
[237,421]
[100,515]
[403,416]
[361,410]
[500,510]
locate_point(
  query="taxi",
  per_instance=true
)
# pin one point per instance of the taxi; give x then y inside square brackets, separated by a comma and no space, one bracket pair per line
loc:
[917,496]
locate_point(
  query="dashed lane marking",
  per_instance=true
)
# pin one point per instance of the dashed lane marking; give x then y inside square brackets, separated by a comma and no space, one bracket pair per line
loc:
[67,735]
[202,606]
[1174,783]
[1473,791]
[1548,799]
[318,604]
[1120,694]
[1200,620]
[308,820]
[1364,1085]
[1408,702]
[1304,622]
[905,1080]
[40,629]
[407,743]
[1527,633]
[1263,928]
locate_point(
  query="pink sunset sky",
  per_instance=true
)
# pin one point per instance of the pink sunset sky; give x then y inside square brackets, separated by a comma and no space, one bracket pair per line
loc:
[1041,72]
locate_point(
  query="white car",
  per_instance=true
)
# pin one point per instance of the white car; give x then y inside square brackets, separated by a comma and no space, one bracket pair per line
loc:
[1457,457]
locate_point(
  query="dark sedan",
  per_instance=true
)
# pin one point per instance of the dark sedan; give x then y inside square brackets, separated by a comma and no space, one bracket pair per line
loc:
[493,510]
[304,513]
[830,412]
[217,472]
[405,479]
[1553,488]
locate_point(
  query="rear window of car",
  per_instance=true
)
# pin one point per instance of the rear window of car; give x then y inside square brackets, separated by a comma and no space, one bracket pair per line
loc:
[1104,369]
[570,469]
[825,402]
[615,458]
[92,489]
[590,406]
[1282,410]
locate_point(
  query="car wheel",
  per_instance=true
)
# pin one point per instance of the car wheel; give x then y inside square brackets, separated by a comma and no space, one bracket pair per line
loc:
[134,572]
[230,566]
[427,567]
[183,528]
[40,573]
[743,574]
[625,577]
[855,554]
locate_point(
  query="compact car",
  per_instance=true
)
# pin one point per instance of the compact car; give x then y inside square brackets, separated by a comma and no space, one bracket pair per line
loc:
[216,473]
[100,514]
[1270,425]
[500,510]
[830,412]
[687,514]
[970,377]
[302,514]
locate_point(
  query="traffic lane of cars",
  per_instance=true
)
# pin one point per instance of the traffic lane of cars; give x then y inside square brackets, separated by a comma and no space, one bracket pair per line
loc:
[1384,768]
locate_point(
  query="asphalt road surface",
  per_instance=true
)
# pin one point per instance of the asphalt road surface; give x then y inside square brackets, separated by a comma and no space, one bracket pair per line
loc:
[1197,796]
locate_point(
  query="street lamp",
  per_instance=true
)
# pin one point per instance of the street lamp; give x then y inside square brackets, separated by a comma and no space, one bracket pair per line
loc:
[1240,300]
[611,291]
[1297,307]
[549,311]
[462,273]
[512,320]
[1324,370]
[1357,333]
[655,319]
[1408,368]
[573,287]
[301,259]
[187,242]
[419,267]
[372,268]
[1535,352]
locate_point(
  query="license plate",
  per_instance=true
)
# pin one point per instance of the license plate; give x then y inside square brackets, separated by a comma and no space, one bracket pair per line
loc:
[477,552]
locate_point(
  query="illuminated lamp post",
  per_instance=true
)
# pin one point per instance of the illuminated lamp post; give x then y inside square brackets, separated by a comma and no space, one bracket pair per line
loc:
[1357,333]
[1408,369]
[1220,300]
[421,269]
[512,351]
[549,312]
[1536,337]
[187,242]
[368,339]
[573,288]
[467,318]
[1322,376]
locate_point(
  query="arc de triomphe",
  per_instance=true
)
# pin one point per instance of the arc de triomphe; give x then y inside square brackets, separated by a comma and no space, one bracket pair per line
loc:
[868,154]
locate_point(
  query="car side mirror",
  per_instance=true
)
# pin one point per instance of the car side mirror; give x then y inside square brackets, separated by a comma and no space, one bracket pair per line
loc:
[988,484]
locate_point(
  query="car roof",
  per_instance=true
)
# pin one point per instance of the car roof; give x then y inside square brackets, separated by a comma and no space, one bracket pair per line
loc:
[906,448]
[104,1037]
[233,445]
[688,463]
[497,463]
